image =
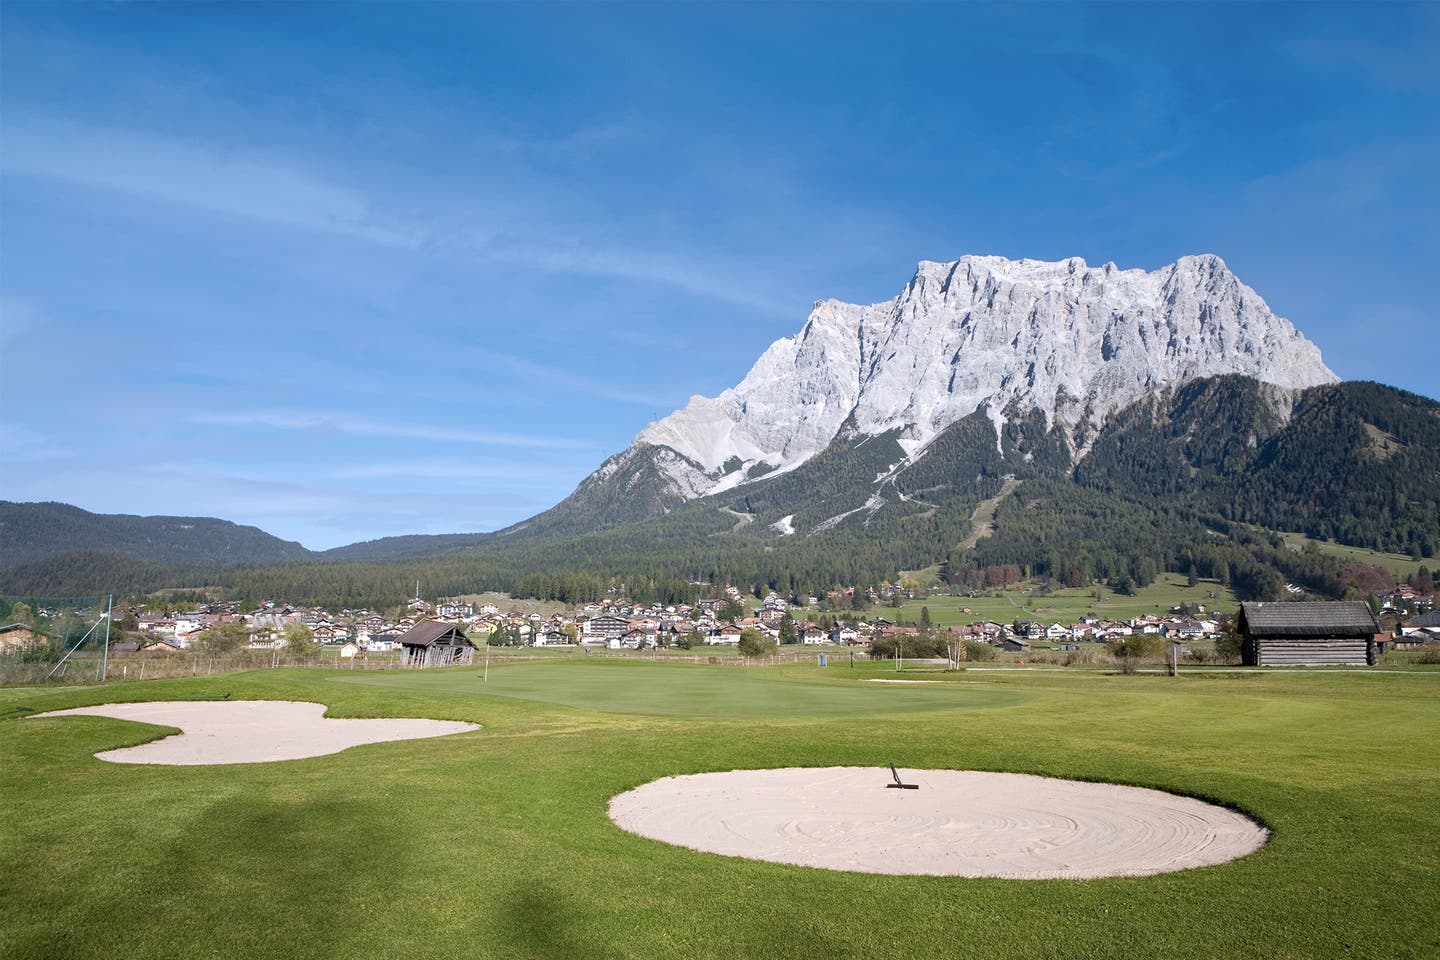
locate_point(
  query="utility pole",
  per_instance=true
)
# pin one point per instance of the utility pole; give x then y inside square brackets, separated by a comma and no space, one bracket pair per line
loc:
[105,659]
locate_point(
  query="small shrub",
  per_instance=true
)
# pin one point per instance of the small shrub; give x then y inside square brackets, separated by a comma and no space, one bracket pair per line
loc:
[1227,645]
[978,650]
[912,646]
[1131,651]
[753,643]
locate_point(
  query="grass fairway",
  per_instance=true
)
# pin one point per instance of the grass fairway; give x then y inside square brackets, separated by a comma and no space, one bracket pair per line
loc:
[670,690]
[496,843]
[1067,605]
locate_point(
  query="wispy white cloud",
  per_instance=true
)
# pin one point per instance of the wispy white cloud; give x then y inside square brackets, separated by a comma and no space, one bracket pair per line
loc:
[1404,62]
[365,427]
[570,381]
[502,471]
[650,266]
[22,445]
[428,470]
[201,177]
[249,185]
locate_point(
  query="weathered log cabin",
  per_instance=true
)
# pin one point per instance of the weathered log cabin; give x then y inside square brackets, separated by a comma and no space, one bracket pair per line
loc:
[431,643]
[1307,634]
[19,636]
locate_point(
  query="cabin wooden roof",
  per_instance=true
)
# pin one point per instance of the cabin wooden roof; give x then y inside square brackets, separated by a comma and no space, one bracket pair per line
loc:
[16,627]
[1348,618]
[427,632]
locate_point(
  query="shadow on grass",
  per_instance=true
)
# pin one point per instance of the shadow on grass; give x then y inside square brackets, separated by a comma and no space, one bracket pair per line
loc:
[268,873]
[549,923]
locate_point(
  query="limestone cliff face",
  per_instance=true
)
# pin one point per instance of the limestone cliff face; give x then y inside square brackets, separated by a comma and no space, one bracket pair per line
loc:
[1075,341]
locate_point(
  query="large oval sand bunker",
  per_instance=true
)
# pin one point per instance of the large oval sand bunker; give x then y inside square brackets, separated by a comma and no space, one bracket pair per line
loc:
[251,731]
[959,823]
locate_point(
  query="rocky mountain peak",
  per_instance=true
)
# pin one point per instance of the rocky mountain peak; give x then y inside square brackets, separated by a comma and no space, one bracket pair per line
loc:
[1075,341]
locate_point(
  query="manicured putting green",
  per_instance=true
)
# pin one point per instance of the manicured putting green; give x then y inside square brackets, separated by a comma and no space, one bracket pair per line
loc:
[686,690]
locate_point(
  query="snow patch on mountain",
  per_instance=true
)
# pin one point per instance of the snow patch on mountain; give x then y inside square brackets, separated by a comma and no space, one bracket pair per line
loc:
[873,504]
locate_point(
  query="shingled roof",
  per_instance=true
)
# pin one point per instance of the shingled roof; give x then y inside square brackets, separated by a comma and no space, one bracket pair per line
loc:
[1351,618]
[427,632]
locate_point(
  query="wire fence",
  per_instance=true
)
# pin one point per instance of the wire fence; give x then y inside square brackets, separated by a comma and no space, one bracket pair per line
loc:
[90,666]
[732,659]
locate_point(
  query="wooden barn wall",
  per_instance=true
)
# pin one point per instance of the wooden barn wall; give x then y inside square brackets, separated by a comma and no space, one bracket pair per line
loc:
[1277,652]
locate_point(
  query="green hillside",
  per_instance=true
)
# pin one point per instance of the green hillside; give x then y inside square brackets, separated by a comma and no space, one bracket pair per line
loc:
[31,532]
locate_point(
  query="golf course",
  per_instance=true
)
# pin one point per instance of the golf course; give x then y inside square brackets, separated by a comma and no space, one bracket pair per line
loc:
[495,842]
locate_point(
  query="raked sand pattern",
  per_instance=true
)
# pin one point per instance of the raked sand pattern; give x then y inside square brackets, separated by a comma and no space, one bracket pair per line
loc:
[959,823]
[251,731]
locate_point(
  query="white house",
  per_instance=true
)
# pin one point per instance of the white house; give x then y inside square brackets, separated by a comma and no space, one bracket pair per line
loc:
[266,639]
[382,642]
[454,608]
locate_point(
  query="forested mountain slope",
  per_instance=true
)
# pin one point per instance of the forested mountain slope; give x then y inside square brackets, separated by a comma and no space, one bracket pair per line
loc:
[1188,479]
[31,532]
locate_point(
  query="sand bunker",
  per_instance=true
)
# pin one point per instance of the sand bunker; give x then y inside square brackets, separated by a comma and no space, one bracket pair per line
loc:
[251,731]
[960,823]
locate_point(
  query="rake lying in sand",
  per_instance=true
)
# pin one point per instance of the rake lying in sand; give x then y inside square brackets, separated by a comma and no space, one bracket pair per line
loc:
[900,784]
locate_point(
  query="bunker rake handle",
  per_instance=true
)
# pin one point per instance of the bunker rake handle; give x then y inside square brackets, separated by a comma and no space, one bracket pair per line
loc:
[900,784]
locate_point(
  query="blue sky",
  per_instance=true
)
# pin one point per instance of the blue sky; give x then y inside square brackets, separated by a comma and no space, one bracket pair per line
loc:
[352,271]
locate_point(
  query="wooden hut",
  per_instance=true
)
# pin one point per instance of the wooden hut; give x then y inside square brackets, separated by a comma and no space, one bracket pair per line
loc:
[1308,634]
[431,643]
[15,637]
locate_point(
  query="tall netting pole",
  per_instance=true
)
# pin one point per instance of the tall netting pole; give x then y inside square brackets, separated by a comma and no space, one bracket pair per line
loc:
[105,658]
